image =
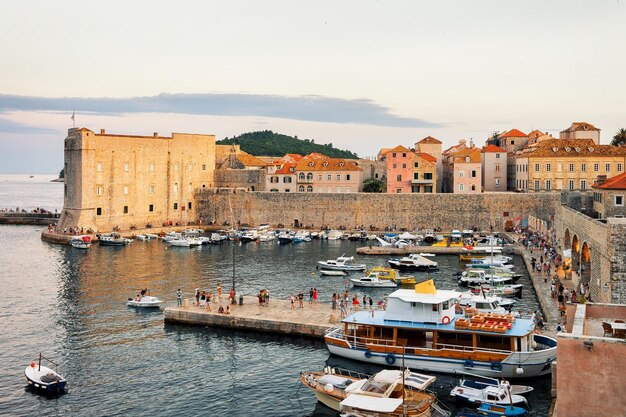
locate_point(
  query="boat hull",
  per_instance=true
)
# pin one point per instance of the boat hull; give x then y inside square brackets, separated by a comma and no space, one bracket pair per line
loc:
[419,268]
[327,400]
[33,378]
[342,267]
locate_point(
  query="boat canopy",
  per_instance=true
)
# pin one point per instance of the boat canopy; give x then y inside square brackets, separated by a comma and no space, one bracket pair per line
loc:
[407,236]
[375,404]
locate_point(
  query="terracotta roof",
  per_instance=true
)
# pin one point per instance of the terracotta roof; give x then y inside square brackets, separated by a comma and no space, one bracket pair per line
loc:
[513,133]
[535,134]
[295,156]
[250,160]
[429,139]
[426,156]
[614,183]
[286,168]
[493,149]
[473,153]
[580,126]
[328,164]
[574,148]
[315,155]
[399,148]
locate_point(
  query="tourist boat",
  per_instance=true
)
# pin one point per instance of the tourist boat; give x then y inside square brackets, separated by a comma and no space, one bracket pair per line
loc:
[489,410]
[385,393]
[171,236]
[480,277]
[423,324]
[414,262]
[496,392]
[393,275]
[204,240]
[495,272]
[113,239]
[144,301]
[81,242]
[43,378]
[371,280]
[333,273]
[267,237]
[342,263]
[151,236]
[497,289]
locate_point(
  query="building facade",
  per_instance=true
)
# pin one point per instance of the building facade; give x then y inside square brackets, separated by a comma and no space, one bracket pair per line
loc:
[123,181]
[432,147]
[399,162]
[581,130]
[609,197]
[467,171]
[494,168]
[281,177]
[328,175]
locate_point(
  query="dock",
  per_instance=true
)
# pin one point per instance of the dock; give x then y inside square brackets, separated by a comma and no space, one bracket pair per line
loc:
[407,250]
[38,219]
[277,317]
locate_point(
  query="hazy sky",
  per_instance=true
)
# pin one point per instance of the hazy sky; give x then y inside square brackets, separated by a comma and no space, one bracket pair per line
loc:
[360,74]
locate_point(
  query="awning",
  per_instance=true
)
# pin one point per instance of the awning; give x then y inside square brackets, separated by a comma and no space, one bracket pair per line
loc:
[375,404]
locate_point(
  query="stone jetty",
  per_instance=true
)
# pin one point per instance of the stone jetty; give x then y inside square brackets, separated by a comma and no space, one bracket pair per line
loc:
[276,317]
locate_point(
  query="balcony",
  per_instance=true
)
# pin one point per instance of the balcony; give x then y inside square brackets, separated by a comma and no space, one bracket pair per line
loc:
[422,181]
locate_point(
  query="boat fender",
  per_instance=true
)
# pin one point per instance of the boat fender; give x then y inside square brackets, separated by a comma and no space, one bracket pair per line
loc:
[496,366]
[329,387]
[445,320]
[469,363]
[390,359]
[368,354]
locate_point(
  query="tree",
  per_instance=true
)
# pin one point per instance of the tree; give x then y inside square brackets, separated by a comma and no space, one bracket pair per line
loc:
[620,138]
[62,173]
[372,185]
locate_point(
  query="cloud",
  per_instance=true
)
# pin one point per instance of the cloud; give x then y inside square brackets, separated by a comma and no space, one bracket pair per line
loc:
[308,108]
[8,126]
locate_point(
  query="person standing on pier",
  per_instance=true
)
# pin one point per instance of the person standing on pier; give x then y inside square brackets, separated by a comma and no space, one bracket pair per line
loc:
[315,295]
[300,299]
[179,297]
[311,296]
[219,291]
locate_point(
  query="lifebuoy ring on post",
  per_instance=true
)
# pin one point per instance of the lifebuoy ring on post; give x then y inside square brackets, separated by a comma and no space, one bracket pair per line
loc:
[390,359]
[496,366]
[445,320]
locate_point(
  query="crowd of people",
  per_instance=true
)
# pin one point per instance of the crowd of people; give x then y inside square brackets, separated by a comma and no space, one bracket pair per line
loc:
[204,299]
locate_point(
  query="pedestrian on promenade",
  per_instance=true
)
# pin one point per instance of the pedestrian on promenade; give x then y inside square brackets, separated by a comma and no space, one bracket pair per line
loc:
[300,299]
[311,296]
[334,301]
[231,296]
[342,310]
[266,298]
[292,300]
[218,290]
[197,296]
[315,295]
[371,302]
[574,297]
[364,300]
[179,297]
[355,302]
[208,300]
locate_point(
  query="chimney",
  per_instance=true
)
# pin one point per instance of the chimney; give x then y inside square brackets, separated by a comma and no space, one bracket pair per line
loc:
[155,134]
[601,179]
[102,131]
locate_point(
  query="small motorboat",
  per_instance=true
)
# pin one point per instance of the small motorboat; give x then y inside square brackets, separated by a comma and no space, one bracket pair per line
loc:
[43,378]
[144,300]
[430,255]
[81,242]
[413,262]
[512,290]
[333,273]
[371,280]
[285,239]
[489,410]
[490,391]
[342,263]
[113,239]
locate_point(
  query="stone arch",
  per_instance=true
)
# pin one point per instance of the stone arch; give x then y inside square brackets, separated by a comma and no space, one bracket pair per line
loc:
[575,253]
[585,264]
[567,240]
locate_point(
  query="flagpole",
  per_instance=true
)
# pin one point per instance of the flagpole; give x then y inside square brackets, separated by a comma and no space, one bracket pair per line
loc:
[73,118]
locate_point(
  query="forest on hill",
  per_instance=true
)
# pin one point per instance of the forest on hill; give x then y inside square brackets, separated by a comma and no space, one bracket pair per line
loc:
[268,143]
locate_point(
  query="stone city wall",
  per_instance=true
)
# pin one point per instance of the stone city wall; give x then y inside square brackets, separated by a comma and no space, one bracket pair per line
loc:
[409,211]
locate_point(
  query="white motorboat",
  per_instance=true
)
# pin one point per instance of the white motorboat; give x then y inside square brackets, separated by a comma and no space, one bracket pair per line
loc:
[113,239]
[507,290]
[429,255]
[371,280]
[169,236]
[342,263]
[142,300]
[334,235]
[490,391]
[142,237]
[414,262]
[44,378]
[249,236]
[477,300]
[217,238]
[204,240]
[81,242]
[333,273]
[480,277]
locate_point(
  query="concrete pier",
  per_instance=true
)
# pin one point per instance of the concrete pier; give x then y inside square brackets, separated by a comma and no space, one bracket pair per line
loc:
[388,250]
[39,219]
[277,317]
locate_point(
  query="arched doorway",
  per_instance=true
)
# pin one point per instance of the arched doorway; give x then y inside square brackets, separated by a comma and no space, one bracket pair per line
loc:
[567,240]
[585,264]
[575,254]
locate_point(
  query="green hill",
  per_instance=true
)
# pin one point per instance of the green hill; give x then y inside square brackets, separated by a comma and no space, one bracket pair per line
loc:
[268,143]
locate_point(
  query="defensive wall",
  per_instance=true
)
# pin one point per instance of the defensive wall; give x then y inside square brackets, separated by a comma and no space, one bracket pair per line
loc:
[448,211]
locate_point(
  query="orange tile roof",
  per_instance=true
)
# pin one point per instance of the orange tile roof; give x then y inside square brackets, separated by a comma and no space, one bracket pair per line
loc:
[429,139]
[399,148]
[580,126]
[328,164]
[574,148]
[513,133]
[493,149]
[315,155]
[295,156]
[286,168]
[473,153]
[250,160]
[614,183]
[535,134]
[426,156]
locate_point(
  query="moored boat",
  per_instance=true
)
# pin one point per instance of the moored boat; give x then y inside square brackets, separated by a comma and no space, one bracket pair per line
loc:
[43,378]
[113,239]
[144,300]
[423,324]
[413,262]
[342,263]
[371,280]
[476,392]
[81,242]
[489,410]
[333,273]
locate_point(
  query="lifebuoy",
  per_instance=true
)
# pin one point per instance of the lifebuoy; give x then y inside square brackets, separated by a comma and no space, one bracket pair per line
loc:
[368,354]
[390,359]
[496,366]
[469,363]
[445,320]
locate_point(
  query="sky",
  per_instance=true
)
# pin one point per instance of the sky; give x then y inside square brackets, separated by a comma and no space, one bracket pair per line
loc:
[358,74]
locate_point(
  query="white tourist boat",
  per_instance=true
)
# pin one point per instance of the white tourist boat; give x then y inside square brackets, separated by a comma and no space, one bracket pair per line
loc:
[372,280]
[413,262]
[169,236]
[81,242]
[217,238]
[342,263]
[423,324]
[43,378]
[385,393]
[144,300]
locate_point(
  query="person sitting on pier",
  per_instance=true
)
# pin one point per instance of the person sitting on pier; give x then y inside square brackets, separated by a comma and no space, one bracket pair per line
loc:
[220,310]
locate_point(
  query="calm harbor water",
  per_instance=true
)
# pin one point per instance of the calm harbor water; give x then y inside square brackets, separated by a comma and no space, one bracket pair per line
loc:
[69,304]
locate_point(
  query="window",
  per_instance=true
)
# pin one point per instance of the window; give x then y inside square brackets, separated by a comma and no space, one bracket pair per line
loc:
[498,167]
[189,205]
[175,188]
[301,188]
[99,211]
[403,165]
[190,186]
[536,185]
[473,173]
[428,189]
[607,167]
[559,167]
[152,189]
[99,190]
[125,209]
[309,176]
[536,167]
[393,155]
[583,167]
[596,167]
[583,184]
[398,190]
[548,185]
[99,167]
[416,176]
[338,177]
[151,207]
[125,190]
[301,176]
[619,200]
[416,165]
[347,177]
[548,167]
[428,175]
[175,206]
[347,189]
[395,166]
[329,177]
[497,156]
[619,167]
[338,189]
[126,167]
[399,178]
[286,180]
[473,187]
[461,174]
[404,154]
[461,187]
[512,142]
[204,167]
[571,185]
[571,167]
[309,188]
[287,190]
[151,168]
[273,190]
[498,182]
[319,177]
